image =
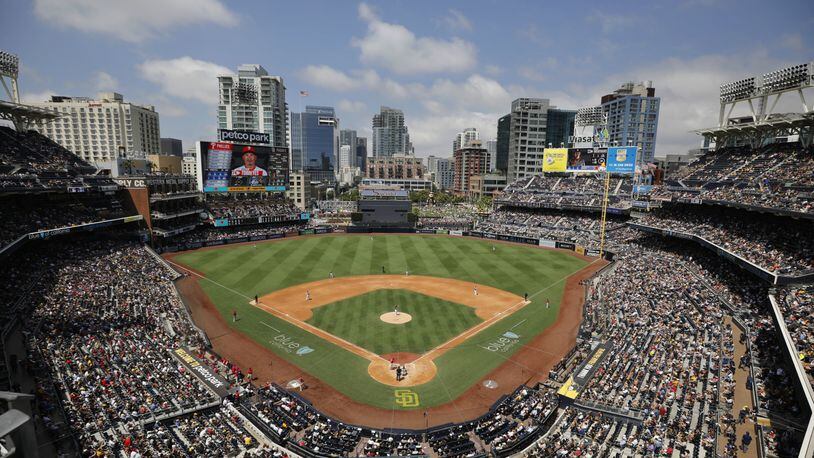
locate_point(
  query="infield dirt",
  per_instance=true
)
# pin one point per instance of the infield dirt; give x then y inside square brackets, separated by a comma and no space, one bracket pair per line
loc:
[528,365]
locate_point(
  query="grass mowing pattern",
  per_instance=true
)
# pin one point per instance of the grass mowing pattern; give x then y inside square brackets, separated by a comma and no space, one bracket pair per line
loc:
[356,319]
[275,265]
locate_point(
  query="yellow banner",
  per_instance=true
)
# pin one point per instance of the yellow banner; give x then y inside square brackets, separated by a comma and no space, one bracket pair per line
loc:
[555,159]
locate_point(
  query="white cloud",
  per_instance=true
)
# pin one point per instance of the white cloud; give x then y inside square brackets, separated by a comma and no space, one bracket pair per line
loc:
[475,93]
[396,48]
[361,79]
[329,78]
[433,133]
[132,21]
[350,106]
[104,81]
[42,96]
[185,78]
[456,20]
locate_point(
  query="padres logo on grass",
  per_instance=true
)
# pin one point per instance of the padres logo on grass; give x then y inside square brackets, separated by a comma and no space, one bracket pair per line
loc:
[407,398]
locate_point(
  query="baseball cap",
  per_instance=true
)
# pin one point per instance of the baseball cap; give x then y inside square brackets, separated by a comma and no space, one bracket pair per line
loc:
[249,149]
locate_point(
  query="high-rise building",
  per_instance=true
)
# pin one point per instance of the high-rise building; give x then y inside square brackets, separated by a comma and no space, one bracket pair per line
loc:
[171,147]
[390,135]
[442,171]
[344,156]
[527,137]
[633,117]
[104,129]
[491,151]
[463,139]
[397,166]
[315,143]
[503,132]
[559,126]
[348,137]
[468,162]
[361,153]
[253,101]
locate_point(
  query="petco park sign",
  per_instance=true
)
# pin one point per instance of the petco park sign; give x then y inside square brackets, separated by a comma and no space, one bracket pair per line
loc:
[242,136]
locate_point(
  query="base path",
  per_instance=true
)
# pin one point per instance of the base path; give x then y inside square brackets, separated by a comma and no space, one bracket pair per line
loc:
[528,365]
[295,304]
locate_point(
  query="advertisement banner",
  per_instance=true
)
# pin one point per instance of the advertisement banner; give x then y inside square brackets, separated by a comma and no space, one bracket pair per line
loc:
[202,371]
[622,159]
[234,167]
[593,252]
[548,243]
[580,249]
[643,188]
[566,245]
[586,159]
[221,222]
[443,231]
[456,233]
[555,159]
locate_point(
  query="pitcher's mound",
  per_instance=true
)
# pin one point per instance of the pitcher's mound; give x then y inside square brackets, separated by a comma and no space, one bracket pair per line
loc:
[394,318]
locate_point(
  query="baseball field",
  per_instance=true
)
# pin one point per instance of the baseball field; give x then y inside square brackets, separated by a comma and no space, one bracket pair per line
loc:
[344,308]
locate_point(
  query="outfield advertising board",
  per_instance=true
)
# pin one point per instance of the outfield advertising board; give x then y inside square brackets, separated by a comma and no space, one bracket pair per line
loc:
[622,159]
[586,159]
[555,159]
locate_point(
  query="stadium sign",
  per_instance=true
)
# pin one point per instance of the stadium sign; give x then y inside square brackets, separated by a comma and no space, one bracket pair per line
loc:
[203,372]
[243,136]
[504,343]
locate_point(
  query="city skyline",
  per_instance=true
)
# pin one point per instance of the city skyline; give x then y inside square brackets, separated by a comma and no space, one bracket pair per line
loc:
[447,69]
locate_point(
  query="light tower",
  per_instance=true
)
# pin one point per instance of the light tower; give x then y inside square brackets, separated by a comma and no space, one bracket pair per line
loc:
[9,68]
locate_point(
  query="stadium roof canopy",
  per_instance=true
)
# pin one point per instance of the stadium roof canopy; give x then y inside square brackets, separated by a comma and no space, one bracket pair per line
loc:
[24,115]
[775,125]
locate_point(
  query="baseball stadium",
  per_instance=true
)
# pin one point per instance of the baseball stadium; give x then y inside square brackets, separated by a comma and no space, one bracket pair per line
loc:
[598,302]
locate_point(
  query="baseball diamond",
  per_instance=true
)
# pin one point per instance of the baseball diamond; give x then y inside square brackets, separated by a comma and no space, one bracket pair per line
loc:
[326,294]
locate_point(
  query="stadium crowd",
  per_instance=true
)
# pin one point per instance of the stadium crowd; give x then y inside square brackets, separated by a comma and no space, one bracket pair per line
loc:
[21,216]
[778,176]
[251,208]
[758,240]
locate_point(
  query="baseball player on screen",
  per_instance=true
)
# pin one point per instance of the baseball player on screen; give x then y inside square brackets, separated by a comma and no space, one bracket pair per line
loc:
[250,168]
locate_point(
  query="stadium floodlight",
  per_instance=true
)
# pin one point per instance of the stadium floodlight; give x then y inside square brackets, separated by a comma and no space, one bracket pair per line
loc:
[787,78]
[9,64]
[590,116]
[738,90]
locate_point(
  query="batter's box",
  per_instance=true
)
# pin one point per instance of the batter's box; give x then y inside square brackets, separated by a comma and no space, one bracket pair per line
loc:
[407,398]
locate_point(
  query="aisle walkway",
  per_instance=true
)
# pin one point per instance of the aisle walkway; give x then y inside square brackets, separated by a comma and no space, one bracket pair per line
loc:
[742,396]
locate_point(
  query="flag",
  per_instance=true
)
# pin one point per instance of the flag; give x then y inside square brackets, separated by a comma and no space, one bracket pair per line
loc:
[304,93]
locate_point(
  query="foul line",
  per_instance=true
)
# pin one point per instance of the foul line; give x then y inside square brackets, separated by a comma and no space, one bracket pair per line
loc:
[433,354]
[353,348]
[443,348]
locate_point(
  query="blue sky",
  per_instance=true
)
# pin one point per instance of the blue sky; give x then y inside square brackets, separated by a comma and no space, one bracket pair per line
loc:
[448,65]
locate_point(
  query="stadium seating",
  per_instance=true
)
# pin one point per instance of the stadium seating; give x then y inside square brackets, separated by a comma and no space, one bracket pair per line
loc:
[101,318]
[778,176]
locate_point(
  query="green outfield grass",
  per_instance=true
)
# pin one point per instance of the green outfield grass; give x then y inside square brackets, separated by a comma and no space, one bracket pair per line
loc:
[356,319]
[234,274]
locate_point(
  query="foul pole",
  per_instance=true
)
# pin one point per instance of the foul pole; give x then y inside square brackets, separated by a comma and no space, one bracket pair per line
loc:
[604,214]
